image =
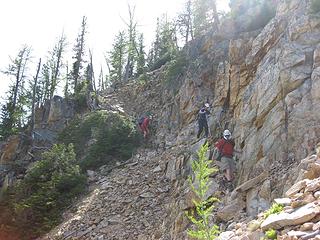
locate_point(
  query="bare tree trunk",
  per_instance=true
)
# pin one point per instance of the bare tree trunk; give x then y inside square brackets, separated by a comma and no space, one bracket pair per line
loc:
[34,98]
[215,16]
[93,82]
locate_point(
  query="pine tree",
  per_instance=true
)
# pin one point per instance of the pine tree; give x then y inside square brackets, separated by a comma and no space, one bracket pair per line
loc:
[14,110]
[79,50]
[131,45]
[205,16]
[141,62]
[116,58]
[165,44]
[185,22]
[34,97]
[56,63]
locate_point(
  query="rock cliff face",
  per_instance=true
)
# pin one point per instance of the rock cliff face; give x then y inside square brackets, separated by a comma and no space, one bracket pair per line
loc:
[263,84]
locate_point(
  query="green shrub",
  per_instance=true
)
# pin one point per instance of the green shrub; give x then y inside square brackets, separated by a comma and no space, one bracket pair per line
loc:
[47,189]
[315,6]
[102,138]
[271,234]
[275,208]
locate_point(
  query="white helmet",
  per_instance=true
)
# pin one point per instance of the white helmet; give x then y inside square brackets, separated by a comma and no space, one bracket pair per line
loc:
[226,134]
[207,105]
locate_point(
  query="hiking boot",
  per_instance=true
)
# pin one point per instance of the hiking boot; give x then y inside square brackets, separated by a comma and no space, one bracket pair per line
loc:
[230,186]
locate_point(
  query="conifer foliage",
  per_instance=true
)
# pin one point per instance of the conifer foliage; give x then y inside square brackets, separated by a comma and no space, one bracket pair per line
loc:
[201,216]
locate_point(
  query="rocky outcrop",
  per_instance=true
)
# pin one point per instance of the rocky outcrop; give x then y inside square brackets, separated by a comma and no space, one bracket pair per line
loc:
[52,117]
[299,218]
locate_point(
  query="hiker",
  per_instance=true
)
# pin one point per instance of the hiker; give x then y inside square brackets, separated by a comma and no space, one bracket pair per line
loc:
[203,120]
[225,147]
[144,125]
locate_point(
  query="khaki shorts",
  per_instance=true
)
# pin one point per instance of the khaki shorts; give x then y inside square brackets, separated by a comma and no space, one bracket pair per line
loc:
[227,162]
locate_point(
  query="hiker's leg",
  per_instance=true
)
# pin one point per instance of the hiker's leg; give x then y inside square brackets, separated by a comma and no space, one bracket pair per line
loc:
[143,129]
[228,174]
[206,129]
[200,129]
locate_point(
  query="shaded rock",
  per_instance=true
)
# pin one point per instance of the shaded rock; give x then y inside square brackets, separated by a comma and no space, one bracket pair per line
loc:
[230,211]
[252,182]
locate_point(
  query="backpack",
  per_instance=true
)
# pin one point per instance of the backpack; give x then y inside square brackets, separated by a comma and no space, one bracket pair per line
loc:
[140,120]
[217,154]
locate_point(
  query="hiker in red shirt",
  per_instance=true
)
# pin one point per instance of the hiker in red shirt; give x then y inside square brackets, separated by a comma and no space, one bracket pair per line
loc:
[225,147]
[144,125]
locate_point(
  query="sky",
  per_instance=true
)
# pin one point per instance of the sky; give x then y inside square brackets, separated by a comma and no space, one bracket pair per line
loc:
[39,23]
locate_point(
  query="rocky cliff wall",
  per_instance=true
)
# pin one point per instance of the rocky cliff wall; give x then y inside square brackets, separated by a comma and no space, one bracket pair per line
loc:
[262,85]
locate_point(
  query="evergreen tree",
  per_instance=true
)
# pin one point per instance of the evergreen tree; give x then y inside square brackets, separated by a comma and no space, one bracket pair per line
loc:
[51,72]
[131,46]
[205,16]
[34,86]
[14,112]
[116,58]
[56,63]
[66,92]
[79,50]
[165,44]
[185,22]
[141,62]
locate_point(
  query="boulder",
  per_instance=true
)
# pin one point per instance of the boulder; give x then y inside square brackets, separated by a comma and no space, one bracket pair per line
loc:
[299,216]
[230,211]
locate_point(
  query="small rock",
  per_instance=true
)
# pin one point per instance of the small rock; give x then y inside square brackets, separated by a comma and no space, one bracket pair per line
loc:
[157,169]
[91,175]
[283,201]
[296,233]
[238,225]
[317,194]
[231,226]
[307,226]
[147,195]
[316,226]
[239,232]
[253,225]
[226,235]
[296,188]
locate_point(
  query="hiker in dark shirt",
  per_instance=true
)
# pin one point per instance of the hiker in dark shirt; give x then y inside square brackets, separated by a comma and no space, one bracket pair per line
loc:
[203,120]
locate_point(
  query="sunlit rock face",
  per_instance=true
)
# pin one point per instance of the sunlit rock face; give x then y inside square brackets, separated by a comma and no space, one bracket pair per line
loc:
[263,85]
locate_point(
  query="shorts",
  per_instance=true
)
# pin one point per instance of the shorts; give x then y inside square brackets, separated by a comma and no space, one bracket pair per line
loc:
[227,163]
